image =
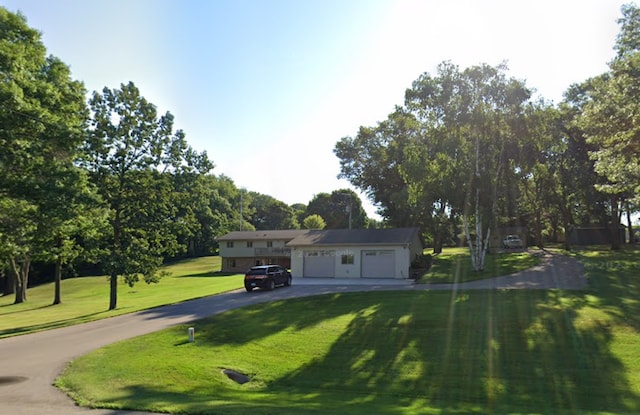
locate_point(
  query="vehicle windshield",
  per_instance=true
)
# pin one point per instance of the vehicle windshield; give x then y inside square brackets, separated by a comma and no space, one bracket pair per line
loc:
[257,271]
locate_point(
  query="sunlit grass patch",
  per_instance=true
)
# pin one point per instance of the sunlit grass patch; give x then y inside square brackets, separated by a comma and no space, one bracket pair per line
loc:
[520,352]
[87,298]
[454,265]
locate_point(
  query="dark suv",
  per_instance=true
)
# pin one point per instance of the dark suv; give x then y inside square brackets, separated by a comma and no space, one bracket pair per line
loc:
[266,277]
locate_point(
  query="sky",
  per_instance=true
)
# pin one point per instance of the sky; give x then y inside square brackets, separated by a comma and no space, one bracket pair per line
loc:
[267,87]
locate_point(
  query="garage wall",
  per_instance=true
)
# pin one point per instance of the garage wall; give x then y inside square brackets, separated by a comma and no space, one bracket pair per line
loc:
[400,268]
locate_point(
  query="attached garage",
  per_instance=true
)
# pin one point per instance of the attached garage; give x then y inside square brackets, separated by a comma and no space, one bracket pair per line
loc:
[378,264]
[319,263]
[357,253]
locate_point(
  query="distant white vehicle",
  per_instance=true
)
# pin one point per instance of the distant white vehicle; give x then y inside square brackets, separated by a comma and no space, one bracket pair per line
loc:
[511,241]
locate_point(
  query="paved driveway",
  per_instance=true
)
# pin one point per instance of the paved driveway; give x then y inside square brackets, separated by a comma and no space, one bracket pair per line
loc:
[29,364]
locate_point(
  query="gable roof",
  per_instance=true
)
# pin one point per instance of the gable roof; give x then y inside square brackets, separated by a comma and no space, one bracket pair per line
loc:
[286,234]
[393,236]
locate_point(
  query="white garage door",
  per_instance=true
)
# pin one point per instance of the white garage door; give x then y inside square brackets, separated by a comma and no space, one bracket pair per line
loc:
[379,264]
[319,264]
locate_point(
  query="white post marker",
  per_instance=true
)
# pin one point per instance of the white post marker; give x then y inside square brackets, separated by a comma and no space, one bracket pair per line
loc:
[192,334]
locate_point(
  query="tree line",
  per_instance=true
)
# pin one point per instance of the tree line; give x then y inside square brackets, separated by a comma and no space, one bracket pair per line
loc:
[109,181]
[471,151]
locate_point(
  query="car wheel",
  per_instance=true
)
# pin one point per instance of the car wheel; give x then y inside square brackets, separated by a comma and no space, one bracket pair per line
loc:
[271,285]
[248,288]
[287,282]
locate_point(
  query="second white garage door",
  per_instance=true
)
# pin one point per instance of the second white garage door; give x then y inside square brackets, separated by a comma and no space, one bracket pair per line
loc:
[319,264]
[378,264]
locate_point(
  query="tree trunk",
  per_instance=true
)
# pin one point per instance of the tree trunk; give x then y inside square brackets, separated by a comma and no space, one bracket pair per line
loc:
[539,241]
[437,244]
[437,239]
[467,233]
[554,228]
[567,243]
[478,250]
[615,224]
[113,291]
[632,240]
[20,270]
[113,279]
[57,299]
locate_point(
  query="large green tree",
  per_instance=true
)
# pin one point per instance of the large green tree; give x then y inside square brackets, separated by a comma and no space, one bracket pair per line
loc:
[340,209]
[207,206]
[574,195]
[132,156]
[611,120]
[42,118]
[450,152]
[370,162]
[268,212]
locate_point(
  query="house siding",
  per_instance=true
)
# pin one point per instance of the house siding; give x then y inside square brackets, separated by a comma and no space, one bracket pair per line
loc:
[240,258]
[288,248]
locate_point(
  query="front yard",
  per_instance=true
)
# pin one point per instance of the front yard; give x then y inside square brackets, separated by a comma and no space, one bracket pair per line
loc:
[408,352]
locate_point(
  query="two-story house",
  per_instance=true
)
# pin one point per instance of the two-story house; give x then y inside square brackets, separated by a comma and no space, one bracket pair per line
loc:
[328,253]
[241,250]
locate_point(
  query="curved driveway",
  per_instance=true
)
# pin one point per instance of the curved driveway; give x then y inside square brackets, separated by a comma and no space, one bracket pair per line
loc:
[29,364]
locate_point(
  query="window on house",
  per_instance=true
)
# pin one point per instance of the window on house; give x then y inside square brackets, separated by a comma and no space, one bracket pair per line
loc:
[249,244]
[229,244]
[269,244]
[347,259]
[232,263]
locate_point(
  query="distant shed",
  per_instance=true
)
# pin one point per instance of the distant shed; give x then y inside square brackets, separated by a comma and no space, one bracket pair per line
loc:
[593,235]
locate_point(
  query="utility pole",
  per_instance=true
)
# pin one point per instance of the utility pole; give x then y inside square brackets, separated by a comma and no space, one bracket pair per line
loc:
[349,206]
[241,203]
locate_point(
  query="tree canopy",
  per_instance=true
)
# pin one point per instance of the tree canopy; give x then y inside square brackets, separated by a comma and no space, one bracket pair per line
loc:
[470,151]
[132,155]
[42,120]
[340,209]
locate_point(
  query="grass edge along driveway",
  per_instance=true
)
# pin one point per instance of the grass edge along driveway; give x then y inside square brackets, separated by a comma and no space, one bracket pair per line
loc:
[86,299]
[421,352]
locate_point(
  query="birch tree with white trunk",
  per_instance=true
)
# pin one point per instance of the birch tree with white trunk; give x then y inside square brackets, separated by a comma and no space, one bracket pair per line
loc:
[469,122]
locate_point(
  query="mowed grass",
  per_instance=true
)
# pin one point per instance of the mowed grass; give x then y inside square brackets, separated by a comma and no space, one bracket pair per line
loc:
[408,352]
[87,298]
[454,265]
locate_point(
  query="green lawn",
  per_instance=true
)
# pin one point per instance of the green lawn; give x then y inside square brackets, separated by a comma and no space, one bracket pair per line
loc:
[431,352]
[87,298]
[454,265]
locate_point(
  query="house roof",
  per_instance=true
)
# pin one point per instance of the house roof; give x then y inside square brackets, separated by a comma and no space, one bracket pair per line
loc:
[287,234]
[393,236]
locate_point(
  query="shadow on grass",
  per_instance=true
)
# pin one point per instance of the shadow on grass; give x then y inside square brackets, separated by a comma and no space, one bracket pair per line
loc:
[15,331]
[613,276]
[22,310]
[494,351]
[456,268]
[468,351]
[477,351]
[208,274]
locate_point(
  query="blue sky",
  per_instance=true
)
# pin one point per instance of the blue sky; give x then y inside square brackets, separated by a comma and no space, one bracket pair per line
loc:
[267,87]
